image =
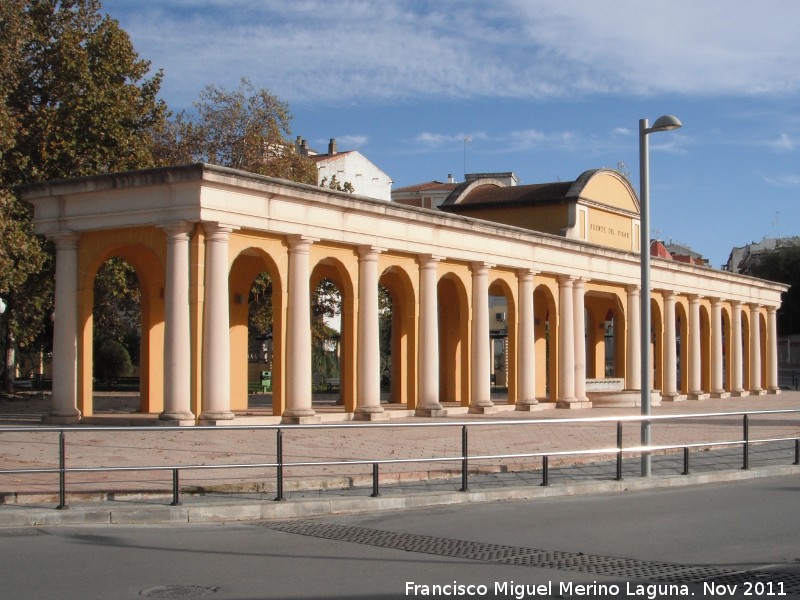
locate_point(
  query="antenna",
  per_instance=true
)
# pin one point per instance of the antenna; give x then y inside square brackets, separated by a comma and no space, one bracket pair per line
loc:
[467,140]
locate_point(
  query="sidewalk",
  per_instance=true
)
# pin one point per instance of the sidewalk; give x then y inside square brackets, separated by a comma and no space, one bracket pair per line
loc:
[248,493]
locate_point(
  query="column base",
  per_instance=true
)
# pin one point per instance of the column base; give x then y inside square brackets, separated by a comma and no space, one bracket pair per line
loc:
[215,418]
[300,420]
[758,392]
[720,394]
[482,409]
[370,413]
[54,419]
[180,419]
[528,406]
[573,403]
[739,393]
[775,390]
[697,396]
[673,397]
[430,411]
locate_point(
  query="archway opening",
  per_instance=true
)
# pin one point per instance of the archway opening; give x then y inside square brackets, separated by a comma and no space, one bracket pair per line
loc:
[119,379]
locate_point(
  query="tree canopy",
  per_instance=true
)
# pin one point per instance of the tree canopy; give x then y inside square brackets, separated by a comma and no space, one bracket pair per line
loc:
[245,129]
[783,265]
[75,100]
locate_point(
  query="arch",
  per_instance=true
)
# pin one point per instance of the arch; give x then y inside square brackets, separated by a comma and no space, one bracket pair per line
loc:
[454,338]
[246,266]
[399,284]
[332,268]
[657,344]
[727,333]
[682,346]
[503,334]
[747,383]
[545,341]
[705,348]
[142,250]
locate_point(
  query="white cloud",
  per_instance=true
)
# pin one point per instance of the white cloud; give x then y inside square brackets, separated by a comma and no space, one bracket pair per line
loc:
[437,140]
[782,180]
[784,143]
[361,50]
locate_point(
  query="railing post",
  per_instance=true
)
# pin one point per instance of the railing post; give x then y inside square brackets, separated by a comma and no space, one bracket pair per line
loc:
[545,471]
[619,451]
[375,492]
[279,460]
[685,460]
[797,451]
[746,445]
[62,472]
[176,489]
[464,460]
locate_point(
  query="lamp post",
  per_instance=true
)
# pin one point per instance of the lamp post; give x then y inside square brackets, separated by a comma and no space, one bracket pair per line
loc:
[665,123]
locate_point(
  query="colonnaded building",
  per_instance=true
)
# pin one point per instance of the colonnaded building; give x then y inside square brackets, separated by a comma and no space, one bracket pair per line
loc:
[562,257]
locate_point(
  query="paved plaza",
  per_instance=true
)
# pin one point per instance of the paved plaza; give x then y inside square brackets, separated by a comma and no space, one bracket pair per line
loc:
[436,440]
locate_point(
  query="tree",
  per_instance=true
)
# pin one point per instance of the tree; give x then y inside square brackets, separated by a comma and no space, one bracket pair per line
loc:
[74,101]
[783,265]
[245,129]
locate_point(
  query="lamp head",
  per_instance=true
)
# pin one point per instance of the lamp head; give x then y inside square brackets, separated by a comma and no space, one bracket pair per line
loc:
[666,123]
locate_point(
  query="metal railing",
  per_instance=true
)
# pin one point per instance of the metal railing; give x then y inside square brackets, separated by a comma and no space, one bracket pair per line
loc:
[464,458]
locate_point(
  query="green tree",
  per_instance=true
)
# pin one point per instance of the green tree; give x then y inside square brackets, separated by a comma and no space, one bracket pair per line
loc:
[111,361]
[783,265]
[245,129]
[75,100]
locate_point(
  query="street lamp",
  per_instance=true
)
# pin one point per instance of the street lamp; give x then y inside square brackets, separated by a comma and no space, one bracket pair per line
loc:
[665,123]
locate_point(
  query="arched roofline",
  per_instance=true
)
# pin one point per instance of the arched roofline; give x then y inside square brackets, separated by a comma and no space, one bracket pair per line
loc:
[576,189]
[463,189]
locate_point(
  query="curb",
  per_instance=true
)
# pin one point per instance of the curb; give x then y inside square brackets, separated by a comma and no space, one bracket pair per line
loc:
[17,516]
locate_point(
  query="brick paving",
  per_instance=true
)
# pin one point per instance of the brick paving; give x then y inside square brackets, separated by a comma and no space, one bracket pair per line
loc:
[153,446]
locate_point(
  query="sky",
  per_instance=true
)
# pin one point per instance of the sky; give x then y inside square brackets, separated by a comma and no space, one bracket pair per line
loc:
[546,89]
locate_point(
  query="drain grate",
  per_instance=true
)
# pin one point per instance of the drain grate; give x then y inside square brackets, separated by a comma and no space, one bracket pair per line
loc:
[624,568]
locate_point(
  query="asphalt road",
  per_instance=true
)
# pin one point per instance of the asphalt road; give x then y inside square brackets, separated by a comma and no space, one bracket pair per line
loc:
[741,538]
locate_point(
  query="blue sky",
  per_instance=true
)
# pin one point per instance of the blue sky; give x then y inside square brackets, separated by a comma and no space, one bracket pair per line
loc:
[546,89]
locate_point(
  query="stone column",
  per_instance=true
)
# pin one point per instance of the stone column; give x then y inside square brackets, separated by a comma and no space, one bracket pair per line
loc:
[755,351]
[772,351]
[177,338]
[566,343]
[695,355]
[216,327]
[428,356]
[369,353]
[737,367]
[670,392]
[298,333]
[65,333]
[633,359]
[526,357]
[481,401]
[579,310]
[717,386]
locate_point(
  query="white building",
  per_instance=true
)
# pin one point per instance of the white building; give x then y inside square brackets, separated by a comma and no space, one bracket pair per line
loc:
[351,167]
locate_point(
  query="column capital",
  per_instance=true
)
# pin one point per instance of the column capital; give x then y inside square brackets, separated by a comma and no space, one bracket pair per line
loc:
[754,305]
[427,259]
[366,251]
[177,227]
[65,240]
[479,266]
[772,310]
[300,243]
[671,295]
[633,288]
[566,279]
[525,274]
[695,297]
[216,231]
